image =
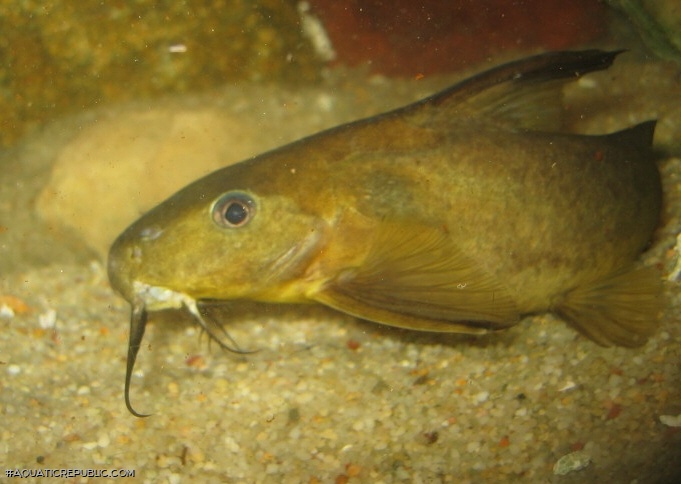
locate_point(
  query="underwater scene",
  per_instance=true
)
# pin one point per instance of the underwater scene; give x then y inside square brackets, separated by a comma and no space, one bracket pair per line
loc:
[341,241]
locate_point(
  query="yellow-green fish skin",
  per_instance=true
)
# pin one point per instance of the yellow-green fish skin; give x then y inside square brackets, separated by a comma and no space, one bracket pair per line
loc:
[442,216]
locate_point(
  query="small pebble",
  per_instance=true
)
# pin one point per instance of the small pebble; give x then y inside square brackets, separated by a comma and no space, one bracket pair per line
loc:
[104,440]
[574,461]
[6,312]
[48,319]
[13,369]
[481,397]
[671,420]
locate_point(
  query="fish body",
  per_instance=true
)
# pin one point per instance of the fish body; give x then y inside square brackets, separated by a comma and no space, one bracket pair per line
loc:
[460,213]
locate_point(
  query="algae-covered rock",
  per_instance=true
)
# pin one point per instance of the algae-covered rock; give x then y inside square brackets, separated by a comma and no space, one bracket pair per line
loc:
[658,22]
[63,56]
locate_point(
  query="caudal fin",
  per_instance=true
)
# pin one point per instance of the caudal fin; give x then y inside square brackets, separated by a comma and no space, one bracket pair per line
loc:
[621,310]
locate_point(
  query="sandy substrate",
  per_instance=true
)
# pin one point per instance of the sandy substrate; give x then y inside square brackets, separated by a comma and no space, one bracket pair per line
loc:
[328,398]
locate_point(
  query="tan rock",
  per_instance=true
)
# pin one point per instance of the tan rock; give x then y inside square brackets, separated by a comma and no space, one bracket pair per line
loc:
[118,167]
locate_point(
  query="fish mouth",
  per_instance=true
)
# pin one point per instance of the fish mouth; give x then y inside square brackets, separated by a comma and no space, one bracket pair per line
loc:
[155,298]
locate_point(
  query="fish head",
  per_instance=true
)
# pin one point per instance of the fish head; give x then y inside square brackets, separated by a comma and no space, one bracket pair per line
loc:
[235,234]
[240,232]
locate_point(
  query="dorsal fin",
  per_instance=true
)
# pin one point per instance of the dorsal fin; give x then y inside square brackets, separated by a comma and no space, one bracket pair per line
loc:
[524,94]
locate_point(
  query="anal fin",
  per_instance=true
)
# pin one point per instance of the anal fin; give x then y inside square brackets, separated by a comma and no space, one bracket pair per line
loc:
[622,309]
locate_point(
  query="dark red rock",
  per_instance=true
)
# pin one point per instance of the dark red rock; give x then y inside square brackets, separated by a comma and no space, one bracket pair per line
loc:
[406,37]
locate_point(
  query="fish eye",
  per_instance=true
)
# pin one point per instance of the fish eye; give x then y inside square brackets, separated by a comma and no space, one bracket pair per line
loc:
[233,210]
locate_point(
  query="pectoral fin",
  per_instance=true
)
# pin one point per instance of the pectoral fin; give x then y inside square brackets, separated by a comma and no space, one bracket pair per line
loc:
[413,277]
[621,310]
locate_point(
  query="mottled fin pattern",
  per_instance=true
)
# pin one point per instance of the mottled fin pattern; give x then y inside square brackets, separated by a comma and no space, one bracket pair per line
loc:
[413,277]
[621,310]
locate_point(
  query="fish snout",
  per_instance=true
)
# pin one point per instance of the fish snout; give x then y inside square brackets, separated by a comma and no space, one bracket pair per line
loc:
[119,266]
[126,258]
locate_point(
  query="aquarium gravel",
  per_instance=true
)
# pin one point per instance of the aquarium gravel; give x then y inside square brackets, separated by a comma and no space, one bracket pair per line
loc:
[324,396]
